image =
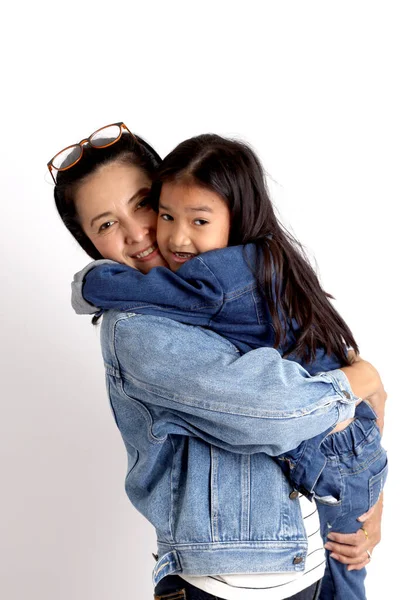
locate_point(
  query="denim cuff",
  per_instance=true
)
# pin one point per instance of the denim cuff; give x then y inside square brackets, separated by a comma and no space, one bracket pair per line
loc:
[341,384]
[79,304]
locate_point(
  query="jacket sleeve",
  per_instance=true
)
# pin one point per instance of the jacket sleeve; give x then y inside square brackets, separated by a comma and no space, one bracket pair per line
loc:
[196,381]
[110,285]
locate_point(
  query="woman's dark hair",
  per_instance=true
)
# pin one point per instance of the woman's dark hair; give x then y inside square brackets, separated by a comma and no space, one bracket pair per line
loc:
[129,149]
[288,282]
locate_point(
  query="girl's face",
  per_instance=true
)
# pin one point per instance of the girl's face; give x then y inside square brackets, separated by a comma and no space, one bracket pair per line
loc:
[115,214]
[191,220]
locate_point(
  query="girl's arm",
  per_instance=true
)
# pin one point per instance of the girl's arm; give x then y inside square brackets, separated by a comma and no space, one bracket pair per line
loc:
[193,291]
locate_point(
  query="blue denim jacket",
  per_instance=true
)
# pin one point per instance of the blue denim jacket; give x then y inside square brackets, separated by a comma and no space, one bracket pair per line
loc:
[217,290]
[200,423]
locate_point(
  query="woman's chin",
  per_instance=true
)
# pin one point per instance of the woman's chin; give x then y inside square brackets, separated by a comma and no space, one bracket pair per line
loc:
[146,266]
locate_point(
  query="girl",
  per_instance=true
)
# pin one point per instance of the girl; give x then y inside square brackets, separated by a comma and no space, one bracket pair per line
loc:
[255,287]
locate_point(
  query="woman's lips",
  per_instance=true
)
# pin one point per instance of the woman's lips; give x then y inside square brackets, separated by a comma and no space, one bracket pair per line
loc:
[147,254]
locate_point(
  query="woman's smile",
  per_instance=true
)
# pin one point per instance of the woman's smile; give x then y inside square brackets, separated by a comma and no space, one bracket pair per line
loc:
[116,215]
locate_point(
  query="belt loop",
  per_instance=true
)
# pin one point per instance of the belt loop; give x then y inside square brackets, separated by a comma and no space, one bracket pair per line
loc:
[178,595]
[166,565]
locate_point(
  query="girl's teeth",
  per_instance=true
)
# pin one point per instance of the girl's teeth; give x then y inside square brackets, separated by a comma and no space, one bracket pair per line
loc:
[183,254]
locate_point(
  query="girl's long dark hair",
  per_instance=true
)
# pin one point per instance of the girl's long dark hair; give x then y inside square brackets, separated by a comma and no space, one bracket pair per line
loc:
[285,277]
[129,149]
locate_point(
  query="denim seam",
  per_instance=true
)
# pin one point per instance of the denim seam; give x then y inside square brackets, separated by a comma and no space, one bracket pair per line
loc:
[241,292]
[235,545]
[365,465]
[227,408]
[204,306]
[172,492]
[245,496]
[146,414]
[233,294]
[214,494]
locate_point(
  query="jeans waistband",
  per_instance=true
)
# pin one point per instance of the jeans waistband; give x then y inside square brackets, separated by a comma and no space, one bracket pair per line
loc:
[330,446]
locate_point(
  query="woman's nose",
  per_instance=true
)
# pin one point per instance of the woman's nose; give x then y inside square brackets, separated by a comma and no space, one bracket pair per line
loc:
[134,232]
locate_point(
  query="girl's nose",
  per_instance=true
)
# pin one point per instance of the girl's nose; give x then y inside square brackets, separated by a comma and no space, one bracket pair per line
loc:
[179,238]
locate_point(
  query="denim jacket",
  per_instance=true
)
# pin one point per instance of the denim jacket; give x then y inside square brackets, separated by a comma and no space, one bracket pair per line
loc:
[217,290]
[200,424]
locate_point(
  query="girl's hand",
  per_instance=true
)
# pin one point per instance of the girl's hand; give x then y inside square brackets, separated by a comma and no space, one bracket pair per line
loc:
[351,548]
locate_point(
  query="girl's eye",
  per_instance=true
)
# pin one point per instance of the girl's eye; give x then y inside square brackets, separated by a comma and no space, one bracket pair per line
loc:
[166,217]
[105,226]
[200,222]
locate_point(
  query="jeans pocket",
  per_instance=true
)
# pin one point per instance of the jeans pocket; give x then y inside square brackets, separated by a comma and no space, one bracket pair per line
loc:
[329,487]
[376,483]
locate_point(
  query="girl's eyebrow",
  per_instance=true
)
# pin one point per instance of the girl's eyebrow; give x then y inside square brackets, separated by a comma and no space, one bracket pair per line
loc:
[204,208]
[143,190]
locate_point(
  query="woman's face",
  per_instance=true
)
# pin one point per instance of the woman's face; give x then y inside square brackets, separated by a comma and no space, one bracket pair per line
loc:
[113,209]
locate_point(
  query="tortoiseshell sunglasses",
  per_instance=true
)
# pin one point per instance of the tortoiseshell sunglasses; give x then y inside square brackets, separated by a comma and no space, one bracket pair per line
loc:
[102,138]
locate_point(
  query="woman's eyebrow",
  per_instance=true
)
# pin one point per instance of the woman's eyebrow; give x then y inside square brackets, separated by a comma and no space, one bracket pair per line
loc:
[104,214]
[143,190]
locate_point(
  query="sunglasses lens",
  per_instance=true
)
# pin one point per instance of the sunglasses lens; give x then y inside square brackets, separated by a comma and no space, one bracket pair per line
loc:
[67,157]
[105,136]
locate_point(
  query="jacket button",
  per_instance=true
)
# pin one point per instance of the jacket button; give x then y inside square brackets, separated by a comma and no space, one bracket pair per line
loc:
[297,560]
[294,494]
[346,395]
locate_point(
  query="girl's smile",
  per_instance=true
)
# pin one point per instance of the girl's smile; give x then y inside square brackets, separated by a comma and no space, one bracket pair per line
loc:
[191,220]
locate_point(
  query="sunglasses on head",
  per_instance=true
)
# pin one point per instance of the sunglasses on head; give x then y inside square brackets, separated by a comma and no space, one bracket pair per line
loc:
[101,138]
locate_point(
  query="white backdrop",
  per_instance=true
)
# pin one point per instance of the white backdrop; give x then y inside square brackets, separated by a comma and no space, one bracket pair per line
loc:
[313,86]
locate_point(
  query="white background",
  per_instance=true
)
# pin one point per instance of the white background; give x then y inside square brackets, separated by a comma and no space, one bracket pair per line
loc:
[313,86]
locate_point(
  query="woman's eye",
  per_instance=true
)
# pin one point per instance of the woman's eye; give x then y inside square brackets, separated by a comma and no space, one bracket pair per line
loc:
[165,217]
[143,203]
[200,222]
[105,226]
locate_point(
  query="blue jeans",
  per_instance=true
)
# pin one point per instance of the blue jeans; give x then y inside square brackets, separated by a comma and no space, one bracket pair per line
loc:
[349,485]
[173,587]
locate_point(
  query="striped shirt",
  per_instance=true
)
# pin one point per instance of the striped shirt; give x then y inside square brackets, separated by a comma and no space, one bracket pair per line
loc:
[272,586]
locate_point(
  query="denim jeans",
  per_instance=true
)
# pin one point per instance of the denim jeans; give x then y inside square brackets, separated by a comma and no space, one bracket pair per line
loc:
[350,485]
[175,588]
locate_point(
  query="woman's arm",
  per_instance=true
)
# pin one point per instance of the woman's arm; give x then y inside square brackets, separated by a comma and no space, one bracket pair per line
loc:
[257,402]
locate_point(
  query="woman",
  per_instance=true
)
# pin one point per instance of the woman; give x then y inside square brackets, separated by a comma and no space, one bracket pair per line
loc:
[181,431]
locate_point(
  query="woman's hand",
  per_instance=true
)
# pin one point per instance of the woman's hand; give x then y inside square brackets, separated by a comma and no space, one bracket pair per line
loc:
[378,401]
[351,548]
[364,379]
